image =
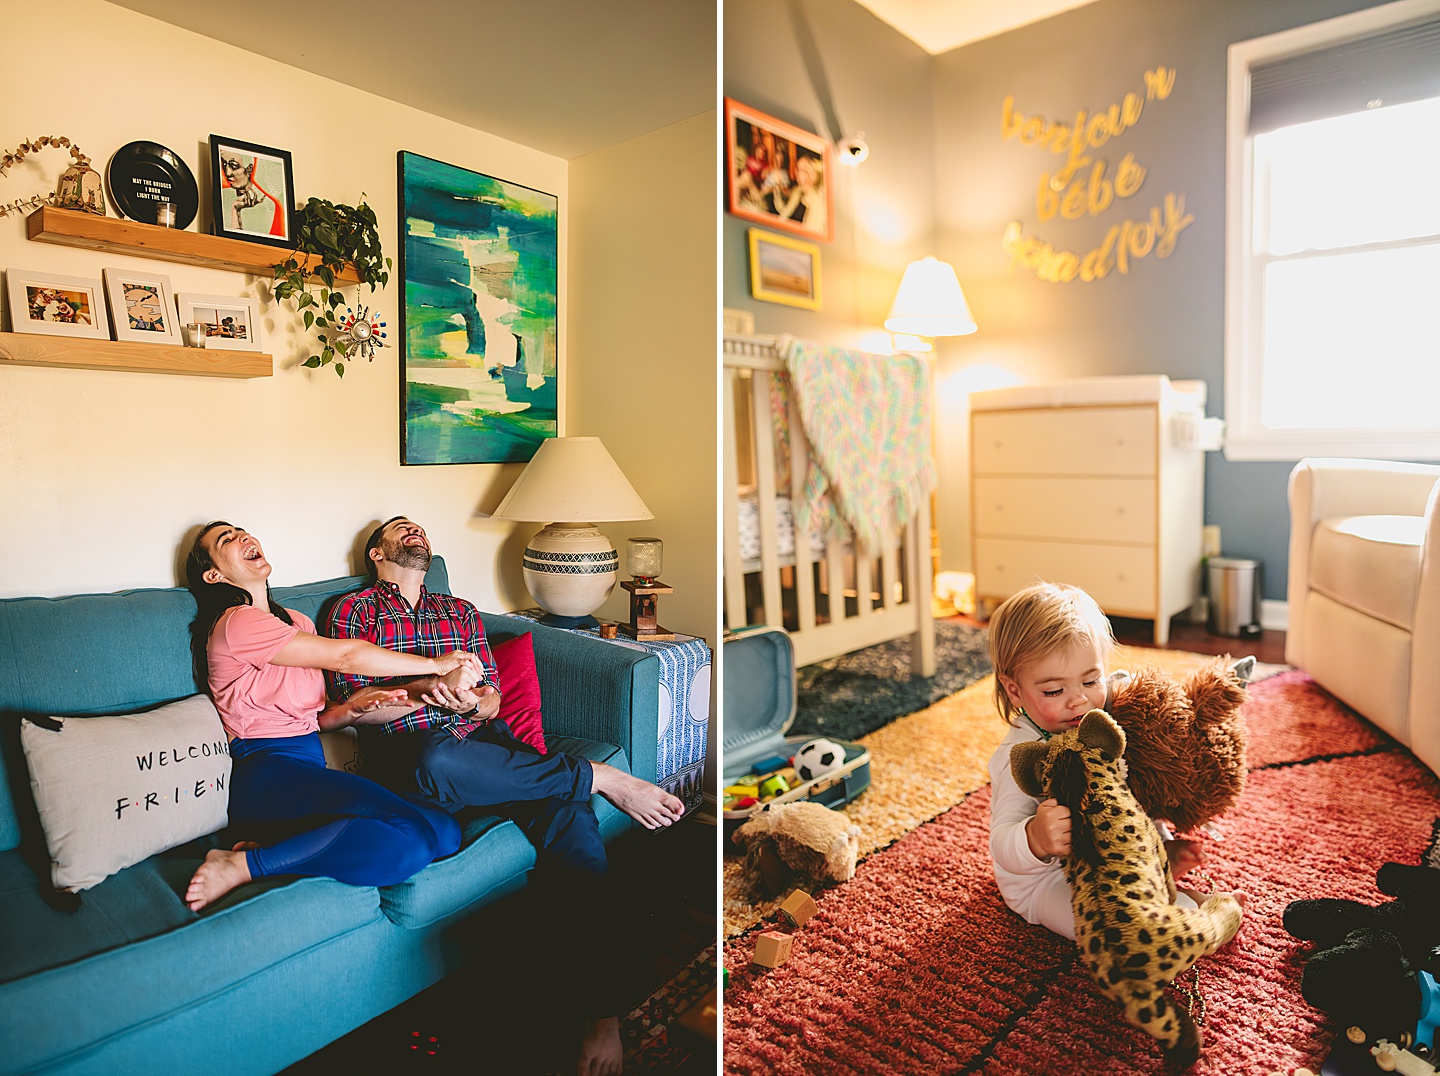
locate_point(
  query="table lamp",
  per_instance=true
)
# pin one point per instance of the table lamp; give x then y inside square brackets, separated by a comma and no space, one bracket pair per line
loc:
[570,567]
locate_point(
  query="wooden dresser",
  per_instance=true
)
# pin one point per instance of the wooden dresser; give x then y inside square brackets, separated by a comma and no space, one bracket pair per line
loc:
[1085,481]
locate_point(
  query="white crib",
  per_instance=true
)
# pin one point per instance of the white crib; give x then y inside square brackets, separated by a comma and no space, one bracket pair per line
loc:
[829,600]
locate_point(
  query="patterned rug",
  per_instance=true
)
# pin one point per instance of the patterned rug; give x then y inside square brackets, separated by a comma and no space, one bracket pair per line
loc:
[648,1032]
[916,966]
[852,695]
[923,764]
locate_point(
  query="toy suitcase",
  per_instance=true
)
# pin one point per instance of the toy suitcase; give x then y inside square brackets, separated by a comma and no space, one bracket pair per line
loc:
[759,698]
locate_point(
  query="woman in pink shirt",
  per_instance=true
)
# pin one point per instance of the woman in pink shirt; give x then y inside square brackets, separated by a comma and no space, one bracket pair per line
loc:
[263,665]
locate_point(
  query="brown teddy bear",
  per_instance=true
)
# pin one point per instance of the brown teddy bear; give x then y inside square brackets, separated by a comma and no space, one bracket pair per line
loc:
[801,844]
[1185,742]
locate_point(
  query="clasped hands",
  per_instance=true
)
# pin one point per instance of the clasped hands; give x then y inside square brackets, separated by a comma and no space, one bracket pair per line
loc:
[451,688]
[1048,835]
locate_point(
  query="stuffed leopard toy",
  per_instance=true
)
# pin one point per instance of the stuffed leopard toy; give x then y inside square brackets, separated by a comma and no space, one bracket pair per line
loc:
[1132,938]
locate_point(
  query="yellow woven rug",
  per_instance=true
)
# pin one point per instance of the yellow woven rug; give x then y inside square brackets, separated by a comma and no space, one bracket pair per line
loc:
[924,764]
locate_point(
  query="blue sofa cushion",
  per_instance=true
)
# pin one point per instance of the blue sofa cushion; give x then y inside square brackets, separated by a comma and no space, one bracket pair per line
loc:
[93,984]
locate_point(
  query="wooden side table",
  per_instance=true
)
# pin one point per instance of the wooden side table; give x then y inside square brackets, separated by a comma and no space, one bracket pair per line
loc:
[685,667]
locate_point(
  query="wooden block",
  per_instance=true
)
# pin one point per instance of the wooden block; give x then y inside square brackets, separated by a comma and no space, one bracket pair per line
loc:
[772,949]
[798,907]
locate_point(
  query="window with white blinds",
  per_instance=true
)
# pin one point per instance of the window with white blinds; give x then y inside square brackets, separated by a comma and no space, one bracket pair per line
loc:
[1333,239]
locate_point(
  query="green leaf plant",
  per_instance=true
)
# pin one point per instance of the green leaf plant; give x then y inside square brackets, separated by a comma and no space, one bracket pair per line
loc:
[338,235]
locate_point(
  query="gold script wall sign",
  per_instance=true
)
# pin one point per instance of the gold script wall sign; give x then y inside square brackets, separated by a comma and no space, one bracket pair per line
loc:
[1084,185]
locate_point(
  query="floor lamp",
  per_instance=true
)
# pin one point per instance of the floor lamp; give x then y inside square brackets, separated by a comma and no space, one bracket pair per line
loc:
[930,303]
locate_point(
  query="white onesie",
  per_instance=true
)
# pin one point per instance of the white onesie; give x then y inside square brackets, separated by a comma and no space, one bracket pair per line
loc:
[1034,888]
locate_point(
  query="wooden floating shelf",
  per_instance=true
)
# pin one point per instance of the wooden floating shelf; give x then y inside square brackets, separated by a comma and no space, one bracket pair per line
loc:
[73,228]
[78,353]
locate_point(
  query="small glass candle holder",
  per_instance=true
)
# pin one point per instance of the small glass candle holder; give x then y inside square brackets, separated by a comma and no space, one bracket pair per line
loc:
[643,558]
[165,214]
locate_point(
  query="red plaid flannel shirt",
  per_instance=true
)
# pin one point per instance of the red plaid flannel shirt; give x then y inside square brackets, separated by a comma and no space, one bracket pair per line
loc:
[439,624]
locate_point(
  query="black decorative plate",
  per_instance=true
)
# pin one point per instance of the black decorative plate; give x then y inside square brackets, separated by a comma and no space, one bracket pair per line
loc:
[143,173]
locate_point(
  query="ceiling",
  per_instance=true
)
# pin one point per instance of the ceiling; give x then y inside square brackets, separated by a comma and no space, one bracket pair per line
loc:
[941,25]
[566,77]
[560,76]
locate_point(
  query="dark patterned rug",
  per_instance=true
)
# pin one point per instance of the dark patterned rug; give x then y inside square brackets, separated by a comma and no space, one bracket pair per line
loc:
[846,697]
[915,966]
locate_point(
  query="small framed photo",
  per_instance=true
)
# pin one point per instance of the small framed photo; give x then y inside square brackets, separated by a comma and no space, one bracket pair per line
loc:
[57,305]
[252,191]
[220,321]
[141,306]
[778,175]
[784,270]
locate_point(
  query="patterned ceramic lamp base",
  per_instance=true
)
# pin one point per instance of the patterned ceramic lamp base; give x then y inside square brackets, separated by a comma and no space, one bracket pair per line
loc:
[570,569]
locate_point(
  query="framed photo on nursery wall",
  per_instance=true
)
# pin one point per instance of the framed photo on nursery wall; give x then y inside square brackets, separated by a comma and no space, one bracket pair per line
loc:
[221,321]
[252,192]
[784,270]
[56,305]
[479,365]
[142,306]
[777,174]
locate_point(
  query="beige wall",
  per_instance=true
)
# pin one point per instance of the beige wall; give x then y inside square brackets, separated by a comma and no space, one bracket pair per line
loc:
[102,474]
[642,345]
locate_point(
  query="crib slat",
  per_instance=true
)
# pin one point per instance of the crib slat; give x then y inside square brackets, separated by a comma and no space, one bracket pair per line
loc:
[736,615]
[917,548]
[765,490]
[804,573]
[888,564]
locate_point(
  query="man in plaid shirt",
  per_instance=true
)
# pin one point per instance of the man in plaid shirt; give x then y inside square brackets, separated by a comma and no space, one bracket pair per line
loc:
[446,743]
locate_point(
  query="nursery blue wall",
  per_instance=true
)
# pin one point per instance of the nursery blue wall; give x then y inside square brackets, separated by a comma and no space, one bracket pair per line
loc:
[942,180]
[1165,316]
[793,58]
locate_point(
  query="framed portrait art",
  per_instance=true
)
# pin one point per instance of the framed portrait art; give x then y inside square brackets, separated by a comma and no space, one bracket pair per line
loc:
[784,270]
[56,305]
[252,192]
[777,174]
[479,371]
[142,306]
[221,321]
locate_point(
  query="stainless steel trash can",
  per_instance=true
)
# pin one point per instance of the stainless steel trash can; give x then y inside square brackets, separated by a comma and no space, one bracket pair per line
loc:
[1234,586]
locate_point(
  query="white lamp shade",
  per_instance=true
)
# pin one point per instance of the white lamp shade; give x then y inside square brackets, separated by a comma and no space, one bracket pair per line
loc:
[930,302]
[573,479]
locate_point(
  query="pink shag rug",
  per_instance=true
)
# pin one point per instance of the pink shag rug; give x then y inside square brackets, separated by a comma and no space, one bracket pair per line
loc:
[917,967]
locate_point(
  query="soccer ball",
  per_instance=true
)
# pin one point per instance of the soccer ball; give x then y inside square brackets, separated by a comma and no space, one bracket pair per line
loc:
[817,758]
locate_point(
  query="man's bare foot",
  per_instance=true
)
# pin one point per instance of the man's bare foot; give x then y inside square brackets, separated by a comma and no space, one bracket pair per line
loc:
[600,1052]
[221,872]
[648,804]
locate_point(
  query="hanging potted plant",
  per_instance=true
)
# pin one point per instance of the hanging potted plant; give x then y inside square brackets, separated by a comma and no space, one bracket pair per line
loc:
[337,235]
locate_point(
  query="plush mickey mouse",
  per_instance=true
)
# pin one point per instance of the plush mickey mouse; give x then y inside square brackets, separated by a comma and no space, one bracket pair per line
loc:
[1366,966]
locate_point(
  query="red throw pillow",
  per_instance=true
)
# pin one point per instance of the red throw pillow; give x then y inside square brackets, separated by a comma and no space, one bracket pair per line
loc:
[520,690]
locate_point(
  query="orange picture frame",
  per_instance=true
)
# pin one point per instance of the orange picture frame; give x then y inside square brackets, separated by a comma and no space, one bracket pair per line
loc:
[777,174]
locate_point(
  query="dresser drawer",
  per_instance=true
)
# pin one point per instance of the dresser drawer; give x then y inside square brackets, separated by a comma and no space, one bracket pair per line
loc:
[1080,440]
[1120,578]
[1080,509]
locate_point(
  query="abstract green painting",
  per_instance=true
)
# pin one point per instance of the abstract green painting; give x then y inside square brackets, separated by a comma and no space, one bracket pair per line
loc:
[479,374]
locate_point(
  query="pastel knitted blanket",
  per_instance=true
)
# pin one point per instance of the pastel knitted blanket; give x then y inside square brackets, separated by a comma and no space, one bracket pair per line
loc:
[867,419]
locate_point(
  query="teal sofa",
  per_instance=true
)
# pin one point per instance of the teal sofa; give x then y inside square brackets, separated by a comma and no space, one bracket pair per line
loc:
[133,981]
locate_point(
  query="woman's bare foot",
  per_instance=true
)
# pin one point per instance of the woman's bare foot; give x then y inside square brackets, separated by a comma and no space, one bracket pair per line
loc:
[600,1051]
[221,872]
[648,804]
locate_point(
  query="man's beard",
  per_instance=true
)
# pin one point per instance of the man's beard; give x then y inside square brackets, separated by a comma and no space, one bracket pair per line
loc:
[416,557]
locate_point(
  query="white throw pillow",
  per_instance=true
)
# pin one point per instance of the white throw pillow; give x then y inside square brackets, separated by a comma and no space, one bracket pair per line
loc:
[113,791]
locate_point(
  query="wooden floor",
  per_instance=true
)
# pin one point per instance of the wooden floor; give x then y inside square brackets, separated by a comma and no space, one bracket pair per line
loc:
[1268,646]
